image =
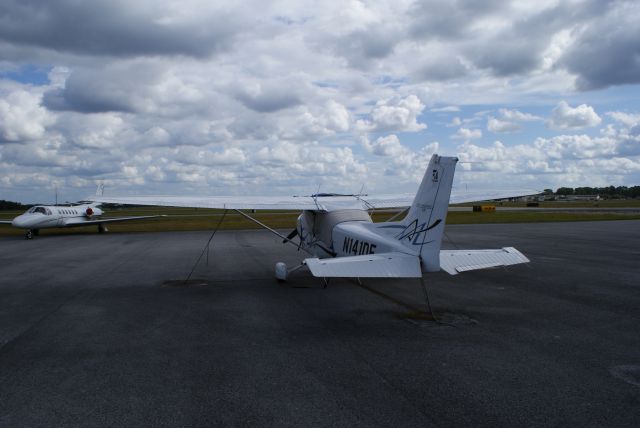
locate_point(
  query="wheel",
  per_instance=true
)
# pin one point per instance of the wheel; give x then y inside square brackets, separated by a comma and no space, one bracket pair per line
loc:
[102,228]
[28,235]
[281,272]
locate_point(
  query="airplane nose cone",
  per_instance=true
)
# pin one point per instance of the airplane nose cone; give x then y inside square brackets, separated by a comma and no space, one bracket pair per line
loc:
[20,222]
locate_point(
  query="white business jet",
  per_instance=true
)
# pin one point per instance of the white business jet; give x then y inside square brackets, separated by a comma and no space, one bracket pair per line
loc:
[342,241]
[52,216]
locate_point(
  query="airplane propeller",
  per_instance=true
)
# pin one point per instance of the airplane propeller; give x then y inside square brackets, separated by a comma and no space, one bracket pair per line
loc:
[290,236]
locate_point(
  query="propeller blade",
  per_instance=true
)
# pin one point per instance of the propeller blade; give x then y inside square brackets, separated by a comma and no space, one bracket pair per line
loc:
[290,236]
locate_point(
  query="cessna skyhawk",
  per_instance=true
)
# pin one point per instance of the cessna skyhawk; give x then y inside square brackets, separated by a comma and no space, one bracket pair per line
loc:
[339,235]
[53,216]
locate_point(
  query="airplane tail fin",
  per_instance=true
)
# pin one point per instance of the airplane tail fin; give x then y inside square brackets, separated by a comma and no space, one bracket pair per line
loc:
[424,223]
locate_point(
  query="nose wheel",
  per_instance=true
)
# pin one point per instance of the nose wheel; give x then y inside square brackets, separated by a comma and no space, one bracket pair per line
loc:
[30,233]
[282,272]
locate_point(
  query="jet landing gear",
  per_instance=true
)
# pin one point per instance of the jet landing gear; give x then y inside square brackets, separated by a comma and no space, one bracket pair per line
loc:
[31,233]
[102,228]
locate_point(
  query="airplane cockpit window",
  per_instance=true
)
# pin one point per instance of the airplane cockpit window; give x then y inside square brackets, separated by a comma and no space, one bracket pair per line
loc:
[41,210]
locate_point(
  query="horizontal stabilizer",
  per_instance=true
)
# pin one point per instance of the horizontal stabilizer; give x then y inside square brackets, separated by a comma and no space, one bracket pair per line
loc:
[383,265]
[456,261]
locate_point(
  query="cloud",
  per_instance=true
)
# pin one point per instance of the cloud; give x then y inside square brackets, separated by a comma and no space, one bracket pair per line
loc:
[118,28]
[385,146]
[197,97]
[509,121]
[627,119]
[467,134]
[395,114]
[565,117]
[440,68]
[268,97]
[501,126]
[518,116]
[605,52]
[22,118]
[445,109]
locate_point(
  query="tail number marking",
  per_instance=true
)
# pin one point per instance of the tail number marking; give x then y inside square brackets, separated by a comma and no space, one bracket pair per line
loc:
[357,247]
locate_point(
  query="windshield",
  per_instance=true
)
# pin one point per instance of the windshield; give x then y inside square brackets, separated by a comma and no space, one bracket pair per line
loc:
[41,210]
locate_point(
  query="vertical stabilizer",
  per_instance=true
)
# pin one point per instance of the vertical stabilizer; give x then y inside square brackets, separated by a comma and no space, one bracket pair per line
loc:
[424,223]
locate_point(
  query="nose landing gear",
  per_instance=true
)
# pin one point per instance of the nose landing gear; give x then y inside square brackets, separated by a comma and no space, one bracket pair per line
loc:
[282,272]
[31,233]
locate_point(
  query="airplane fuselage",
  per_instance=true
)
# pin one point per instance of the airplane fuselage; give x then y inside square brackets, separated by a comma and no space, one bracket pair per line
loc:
[50,216]
[346,233]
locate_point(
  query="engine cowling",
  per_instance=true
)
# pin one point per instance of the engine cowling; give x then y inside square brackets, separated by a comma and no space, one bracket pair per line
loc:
[89,212]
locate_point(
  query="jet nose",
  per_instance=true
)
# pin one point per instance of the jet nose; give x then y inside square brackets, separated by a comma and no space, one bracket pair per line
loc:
[20,222]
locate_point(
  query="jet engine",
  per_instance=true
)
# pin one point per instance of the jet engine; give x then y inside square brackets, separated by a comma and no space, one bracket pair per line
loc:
[89,212]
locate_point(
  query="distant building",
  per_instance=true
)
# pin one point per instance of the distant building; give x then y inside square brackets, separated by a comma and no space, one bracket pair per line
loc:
[578,197]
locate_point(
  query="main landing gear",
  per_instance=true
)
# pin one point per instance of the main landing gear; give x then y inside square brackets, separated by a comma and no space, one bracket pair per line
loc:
[102,228]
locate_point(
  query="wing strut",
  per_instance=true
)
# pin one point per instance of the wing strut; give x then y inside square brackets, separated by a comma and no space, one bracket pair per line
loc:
[259,223]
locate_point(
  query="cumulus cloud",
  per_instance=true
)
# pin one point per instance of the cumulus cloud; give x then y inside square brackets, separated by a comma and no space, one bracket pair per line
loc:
[395,114]
[501,126]
[385,146]
[518,116]
[269,97]
[605,51]
[467,134]
[117,28]
[509,121]
[627,119]
[21,115]
[193,97]
[565,117]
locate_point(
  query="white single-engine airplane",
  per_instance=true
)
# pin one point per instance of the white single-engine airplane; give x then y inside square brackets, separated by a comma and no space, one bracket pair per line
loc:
[337,230]
[51,216]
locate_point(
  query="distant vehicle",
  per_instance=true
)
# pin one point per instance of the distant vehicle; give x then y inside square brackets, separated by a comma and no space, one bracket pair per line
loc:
[55,216]
[339,235]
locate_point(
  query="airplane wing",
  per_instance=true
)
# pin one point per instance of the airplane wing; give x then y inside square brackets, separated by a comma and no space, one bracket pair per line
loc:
[75,221]
[382,265]
[319,203]
[460,197]
[456,261]
[221,202]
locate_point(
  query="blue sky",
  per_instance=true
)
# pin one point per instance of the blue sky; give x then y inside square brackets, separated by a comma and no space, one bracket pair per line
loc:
[199,97]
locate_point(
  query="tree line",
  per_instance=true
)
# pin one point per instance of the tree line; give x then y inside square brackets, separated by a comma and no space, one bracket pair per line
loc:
[8,205]
[608,192]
